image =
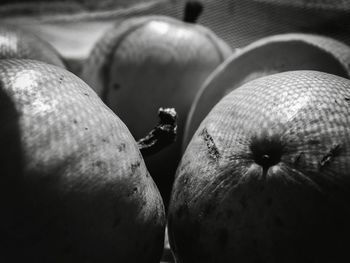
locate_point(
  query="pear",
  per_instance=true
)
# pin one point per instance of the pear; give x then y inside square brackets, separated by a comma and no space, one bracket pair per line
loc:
[265,177]
[74,186]
[149,62]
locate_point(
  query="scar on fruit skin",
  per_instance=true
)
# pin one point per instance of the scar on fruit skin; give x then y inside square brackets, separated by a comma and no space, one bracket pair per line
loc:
[298,157]
[134,166]
[212,149]
[328,157]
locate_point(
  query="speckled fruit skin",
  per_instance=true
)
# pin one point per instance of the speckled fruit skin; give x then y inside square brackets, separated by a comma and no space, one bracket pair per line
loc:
[74,186]
[266,176]
[149,62]
[18,44]
[266,56]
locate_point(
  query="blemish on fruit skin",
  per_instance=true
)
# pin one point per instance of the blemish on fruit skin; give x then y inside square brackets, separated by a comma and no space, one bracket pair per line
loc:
[212,149]
[134,166]
[60,79]
[75,121]
[99,163]
[347,99]
[132,192]
[298,158]
[328,157]
[121,147]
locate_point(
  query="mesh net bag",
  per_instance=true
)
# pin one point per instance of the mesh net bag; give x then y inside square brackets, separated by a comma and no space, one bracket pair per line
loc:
[239,22]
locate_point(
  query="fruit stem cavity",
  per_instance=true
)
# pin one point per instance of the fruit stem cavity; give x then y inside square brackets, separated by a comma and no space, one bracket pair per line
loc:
[266,149]
[162,135]
[193,10]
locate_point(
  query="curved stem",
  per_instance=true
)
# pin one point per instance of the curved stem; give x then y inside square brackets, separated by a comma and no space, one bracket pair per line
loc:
[162,135]
[193,10]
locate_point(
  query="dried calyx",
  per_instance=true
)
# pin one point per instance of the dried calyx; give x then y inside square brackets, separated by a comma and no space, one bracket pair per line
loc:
[162,135]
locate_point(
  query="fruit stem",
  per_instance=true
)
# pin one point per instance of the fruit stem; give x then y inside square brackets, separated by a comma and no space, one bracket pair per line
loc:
[193,9]
[162,135]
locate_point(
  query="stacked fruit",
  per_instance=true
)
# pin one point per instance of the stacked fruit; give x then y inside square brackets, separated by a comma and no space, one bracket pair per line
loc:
[149,62]
[74,185]
[265,136]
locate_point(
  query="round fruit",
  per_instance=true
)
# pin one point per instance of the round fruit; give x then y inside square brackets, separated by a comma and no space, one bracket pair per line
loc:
[74,186]
[149,62]
[264,57]
[17,43]
[266,177]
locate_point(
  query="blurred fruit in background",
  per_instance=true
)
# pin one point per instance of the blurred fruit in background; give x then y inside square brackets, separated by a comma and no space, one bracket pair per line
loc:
[266,56]
[149,62]
[74,186]
[266,178]
[17,43]
[74,27]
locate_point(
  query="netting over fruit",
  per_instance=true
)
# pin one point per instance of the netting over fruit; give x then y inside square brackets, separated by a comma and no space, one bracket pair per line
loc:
[239,22]
[73,27]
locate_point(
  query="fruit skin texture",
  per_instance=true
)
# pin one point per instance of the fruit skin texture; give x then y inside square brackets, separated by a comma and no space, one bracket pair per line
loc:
[266,56]
[149,62]
[17,43]
[74,186]
[266,176]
